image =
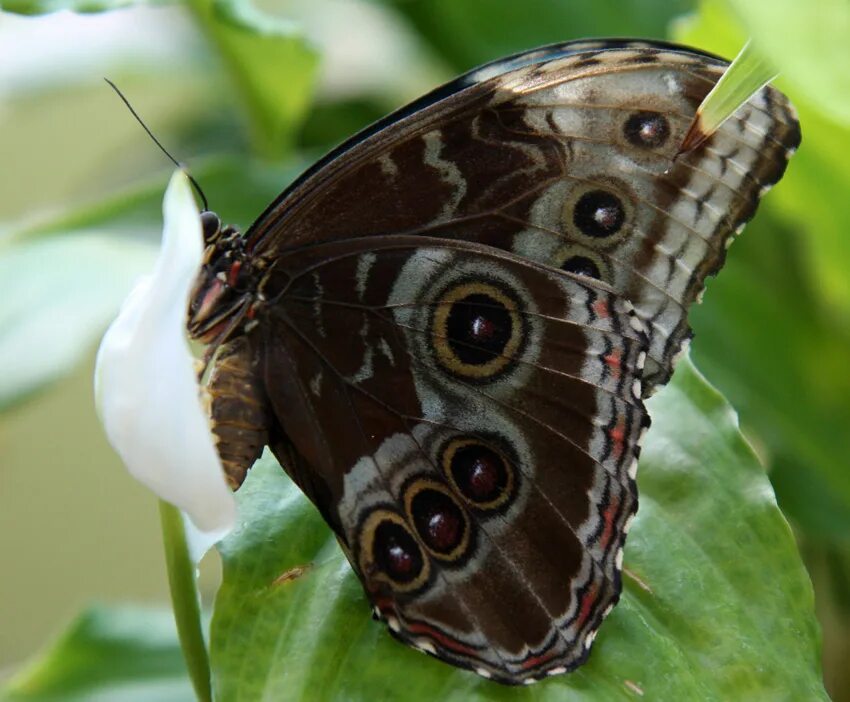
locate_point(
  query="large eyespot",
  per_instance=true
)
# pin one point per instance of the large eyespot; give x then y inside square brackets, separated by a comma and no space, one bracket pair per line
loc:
[477,330]
[391,553]
[480,473]
[440,521]
[647,130]
[596,213]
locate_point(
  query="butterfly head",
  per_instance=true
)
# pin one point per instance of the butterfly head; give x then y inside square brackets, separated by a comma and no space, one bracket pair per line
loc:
[225,289]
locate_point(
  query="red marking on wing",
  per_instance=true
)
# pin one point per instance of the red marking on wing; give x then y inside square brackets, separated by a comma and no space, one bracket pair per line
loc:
[600,307]
[608,517]
[443,639]
[617,435]
[614,361]
[534,661]
[587,602]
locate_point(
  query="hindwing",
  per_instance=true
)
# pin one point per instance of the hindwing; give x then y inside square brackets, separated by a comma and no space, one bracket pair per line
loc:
[471,423]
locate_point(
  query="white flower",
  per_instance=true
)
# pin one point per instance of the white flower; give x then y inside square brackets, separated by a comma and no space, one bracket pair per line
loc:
[146,389]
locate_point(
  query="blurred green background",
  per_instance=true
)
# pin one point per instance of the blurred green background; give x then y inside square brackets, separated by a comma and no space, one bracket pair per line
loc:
[248,100]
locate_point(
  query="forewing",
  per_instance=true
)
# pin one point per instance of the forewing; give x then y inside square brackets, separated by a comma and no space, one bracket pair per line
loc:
[564,156]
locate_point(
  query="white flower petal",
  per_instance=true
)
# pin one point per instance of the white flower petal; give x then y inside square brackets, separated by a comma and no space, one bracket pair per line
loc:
[145,383]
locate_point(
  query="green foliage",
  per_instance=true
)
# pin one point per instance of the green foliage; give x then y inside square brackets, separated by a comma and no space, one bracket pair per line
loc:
[746,75]
[272,62]
[780,310]
[717,605]
[52,318]
[126,654]
[808,42]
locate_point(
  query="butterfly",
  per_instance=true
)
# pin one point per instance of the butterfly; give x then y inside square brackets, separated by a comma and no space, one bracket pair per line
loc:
[445,331]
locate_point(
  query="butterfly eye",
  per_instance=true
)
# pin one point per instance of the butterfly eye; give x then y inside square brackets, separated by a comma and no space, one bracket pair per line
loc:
[211,225]
[476,330]
[391,553]
[478,472]
[440,522]
[647,130]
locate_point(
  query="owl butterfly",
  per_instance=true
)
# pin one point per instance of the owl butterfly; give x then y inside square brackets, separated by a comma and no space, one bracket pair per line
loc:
[445,331]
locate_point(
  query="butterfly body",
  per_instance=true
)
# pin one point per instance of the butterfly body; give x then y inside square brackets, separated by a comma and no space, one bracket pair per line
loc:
[445,331]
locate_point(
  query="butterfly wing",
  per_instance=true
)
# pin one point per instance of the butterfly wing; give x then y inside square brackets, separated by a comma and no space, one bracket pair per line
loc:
[565,156]
[469,422]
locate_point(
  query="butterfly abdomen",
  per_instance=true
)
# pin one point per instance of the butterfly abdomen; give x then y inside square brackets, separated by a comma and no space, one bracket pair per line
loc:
[238,413]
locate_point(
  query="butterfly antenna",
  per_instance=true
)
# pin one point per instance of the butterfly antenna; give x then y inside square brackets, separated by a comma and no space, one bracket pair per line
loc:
[161,147]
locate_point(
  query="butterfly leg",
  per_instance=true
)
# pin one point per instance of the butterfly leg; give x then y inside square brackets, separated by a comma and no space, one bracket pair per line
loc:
[239,416]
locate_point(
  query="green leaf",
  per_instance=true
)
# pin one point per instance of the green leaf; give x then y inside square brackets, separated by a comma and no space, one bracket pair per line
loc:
[716,606]
[788,379]
[109,654]
[747,74]
[273,65]
[470,32]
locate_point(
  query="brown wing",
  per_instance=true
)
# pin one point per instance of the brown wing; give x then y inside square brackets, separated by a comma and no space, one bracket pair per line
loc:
[566,160]
[469,423]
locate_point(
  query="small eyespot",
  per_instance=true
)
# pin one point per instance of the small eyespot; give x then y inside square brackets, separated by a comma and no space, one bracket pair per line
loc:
[647,130]
[481,474]
[389,552]
[441,523]
[476,330]
[396,552]
[582,265]
[599,214]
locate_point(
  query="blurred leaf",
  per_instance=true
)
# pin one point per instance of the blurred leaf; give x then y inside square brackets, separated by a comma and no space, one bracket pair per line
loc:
[273,65]
[470,32]
[722,609]
[807,41]
[332,122]
[43,7]
[109,654]
[237,189]
[61,293]
[781,309]
[789,379]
